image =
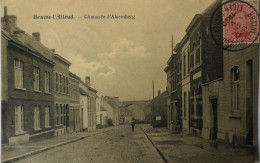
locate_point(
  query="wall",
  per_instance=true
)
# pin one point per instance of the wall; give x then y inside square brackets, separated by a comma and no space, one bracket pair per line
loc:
[236,123]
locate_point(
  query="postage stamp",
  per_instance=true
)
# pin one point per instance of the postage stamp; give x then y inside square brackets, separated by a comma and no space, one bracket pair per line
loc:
[234,24]
[240,22]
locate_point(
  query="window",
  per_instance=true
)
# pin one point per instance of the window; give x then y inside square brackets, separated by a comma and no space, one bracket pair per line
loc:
[47,81]
[60,114]
[67,87]
[47,116]
[184,103]
[19,119]
[235,88]
[191,60]
[57,114]
[64,85]
[184,65]
[18,73]
[36,72]
[36,117]
[57,81]
[64,114]
[198,51]
[60,83]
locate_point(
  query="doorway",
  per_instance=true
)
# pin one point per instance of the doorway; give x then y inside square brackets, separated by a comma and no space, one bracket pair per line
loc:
[214,106]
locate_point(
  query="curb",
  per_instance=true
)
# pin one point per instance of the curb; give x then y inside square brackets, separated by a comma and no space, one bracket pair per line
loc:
[19,157]
[158,151]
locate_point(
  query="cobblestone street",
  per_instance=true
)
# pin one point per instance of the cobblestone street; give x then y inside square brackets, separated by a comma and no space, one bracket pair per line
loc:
[120,144]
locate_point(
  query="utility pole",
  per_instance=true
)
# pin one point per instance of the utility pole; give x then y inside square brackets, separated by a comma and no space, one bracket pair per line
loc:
[172,44]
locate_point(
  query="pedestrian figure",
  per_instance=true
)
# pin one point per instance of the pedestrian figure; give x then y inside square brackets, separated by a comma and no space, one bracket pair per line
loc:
[133,124]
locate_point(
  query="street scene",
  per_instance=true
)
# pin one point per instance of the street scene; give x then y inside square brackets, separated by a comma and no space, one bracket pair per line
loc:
[130,81]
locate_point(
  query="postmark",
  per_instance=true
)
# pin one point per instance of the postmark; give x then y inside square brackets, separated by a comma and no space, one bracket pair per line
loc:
[234,24]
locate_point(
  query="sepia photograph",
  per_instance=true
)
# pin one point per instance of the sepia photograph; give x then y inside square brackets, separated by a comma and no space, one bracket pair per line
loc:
[130,81]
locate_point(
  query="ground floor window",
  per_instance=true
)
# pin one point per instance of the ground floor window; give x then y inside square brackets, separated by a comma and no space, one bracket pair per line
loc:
[47,116]
[19,125]
[36,117]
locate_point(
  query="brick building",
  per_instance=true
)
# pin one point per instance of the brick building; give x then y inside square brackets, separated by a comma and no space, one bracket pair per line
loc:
[241,79]
[27,84]
[61,95]
[74,103]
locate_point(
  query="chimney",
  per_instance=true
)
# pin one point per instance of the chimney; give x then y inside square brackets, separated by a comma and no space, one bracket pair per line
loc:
[36,35]
[53,50]
[159,92]
[5,12]
[87,80]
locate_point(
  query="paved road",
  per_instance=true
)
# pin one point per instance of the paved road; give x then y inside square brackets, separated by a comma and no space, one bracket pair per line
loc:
[117,145]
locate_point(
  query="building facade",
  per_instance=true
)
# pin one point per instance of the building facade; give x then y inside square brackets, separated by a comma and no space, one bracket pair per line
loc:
[74,103]
[92,93]
[61,95]
[27,85]
[185,51]
[241,79]
[83,106]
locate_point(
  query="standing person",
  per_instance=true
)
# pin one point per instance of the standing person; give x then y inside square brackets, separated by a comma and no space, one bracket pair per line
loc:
[133,124]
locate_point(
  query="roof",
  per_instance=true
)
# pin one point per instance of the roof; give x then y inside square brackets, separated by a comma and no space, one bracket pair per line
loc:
[102,108]
[193,22]
[166,68]
[62,59]
[25,41]
[27,46]
[176,47]
[83,92]
[90,88]
[74,75]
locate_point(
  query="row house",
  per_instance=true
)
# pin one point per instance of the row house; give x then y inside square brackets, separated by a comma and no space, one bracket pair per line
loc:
[101,113]
[61,94]
[174,88]
[195,50]
[27,84]
[230,91]
[83,105]
[112,110]
[74,103]
[92,94]
[194,35]
[219,87]
[185,50]
[241,83]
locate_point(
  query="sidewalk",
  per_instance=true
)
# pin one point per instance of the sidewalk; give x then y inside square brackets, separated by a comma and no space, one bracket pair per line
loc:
[176,147]
[13,153]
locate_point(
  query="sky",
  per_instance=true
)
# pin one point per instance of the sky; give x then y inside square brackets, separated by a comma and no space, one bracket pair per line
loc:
[121,56]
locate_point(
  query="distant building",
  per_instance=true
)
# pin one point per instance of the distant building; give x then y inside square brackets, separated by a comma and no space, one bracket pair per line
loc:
[83,106]
[27,85]
[159,109]
[61,95]
[101,114]
[92,93]
[112,109]
[74,103]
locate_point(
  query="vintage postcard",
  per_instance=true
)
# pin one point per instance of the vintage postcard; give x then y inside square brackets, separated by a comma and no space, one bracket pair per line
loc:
[129,81]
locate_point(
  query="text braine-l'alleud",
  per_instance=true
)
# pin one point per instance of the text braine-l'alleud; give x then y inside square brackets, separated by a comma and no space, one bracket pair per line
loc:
[54,16]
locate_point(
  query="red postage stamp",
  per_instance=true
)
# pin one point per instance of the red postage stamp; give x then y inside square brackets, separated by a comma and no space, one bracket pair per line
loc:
[240,22]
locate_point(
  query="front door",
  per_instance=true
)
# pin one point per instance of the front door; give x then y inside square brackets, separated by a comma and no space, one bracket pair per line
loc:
[214,105]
